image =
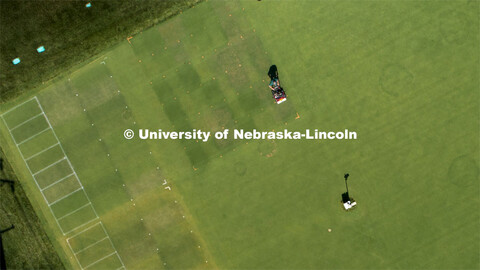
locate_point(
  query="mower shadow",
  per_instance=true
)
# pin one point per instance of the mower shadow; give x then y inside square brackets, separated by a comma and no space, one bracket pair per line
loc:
[273,72]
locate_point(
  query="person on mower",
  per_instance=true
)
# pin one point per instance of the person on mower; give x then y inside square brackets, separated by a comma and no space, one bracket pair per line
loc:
[274,84]
[278,92]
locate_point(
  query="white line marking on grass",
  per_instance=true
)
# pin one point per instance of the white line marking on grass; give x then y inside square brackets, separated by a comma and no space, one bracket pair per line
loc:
[80,183]
[26,121]
[99,260]
[36,183]
[84,224]
[84,230]
[58,181]
[59,199]
[43,151]
[91,245]
[63,197]
[17,107]
[74,211]
[31,137]
[111,243]
[63,150]
[51,165]
[71,249]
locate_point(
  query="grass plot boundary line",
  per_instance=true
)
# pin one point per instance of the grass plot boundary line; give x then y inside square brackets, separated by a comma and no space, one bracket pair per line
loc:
[75,252]
[33,174]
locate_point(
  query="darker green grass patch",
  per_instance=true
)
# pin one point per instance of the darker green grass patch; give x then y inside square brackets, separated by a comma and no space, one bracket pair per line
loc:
[179,119]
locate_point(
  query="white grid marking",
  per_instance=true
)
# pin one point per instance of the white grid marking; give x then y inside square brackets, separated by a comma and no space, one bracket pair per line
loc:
[74,173]
[74,211]
[91,245]
[99,260]
[58,181]
[26,121]
[51,165]
[29,138]
[43,151]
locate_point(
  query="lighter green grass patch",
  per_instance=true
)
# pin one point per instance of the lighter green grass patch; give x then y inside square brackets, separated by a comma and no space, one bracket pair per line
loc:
[51,174]
[87,238]
[61,188]
[76,218]
[111,262]
[95,253]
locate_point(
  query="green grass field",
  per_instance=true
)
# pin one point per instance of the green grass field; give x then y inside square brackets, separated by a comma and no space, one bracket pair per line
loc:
[402,74]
